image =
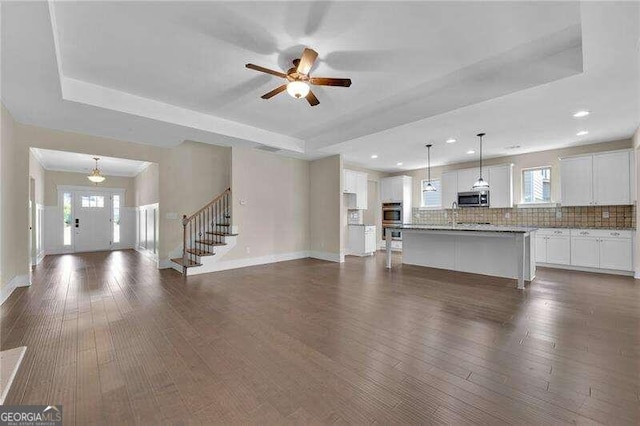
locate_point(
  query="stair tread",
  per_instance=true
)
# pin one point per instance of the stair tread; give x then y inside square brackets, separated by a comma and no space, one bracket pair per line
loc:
[186,262]
[199,252]
[224,234]
[210,243]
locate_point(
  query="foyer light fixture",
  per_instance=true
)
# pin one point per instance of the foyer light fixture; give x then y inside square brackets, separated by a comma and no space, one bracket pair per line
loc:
[298,89]
[95,176]
[429,187]
[480,184]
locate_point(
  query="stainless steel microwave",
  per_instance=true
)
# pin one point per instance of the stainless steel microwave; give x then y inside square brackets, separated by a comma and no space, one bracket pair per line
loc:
[473,199]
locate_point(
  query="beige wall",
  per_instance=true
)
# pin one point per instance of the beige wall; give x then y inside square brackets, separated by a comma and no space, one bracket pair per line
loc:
[325,206]
[54,178]
[523,161]
[14,198]
[146,186]
[636,146]
[37,172]
[270,204]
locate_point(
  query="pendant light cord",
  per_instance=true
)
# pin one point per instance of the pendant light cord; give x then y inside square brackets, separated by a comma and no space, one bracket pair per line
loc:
[429,163]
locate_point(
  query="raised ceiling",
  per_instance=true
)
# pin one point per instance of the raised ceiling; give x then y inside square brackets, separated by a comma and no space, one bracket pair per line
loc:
[63,161]
[164,72]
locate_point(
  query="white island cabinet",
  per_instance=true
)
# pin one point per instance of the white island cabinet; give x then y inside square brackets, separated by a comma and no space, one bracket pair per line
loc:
[489,250]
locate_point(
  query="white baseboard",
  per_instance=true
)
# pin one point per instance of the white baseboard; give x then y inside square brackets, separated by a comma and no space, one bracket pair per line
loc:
[329,256]
[165,264]
[15,282]
[224,265]
[39,258]
[585,269]
[636,275]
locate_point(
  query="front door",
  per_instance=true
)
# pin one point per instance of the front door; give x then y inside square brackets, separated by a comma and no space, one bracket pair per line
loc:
[92,226]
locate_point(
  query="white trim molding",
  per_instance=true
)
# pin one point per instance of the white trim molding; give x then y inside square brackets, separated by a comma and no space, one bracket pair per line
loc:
[328,256]
[15,282]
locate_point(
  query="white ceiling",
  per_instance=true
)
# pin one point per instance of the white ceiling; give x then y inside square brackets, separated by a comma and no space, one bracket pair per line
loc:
[164,72]
[63,161]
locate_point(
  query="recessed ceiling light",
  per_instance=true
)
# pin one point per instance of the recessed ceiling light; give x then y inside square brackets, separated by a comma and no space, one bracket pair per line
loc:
[581,114]
[582,133]
[398,164]
[471,151]
[451,140]
[374,156]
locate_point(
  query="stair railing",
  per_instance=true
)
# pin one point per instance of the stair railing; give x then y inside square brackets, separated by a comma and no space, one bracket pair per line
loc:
[205,225]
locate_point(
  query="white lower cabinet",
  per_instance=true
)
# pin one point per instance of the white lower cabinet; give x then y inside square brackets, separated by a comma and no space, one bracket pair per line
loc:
[586,248]
[585,252]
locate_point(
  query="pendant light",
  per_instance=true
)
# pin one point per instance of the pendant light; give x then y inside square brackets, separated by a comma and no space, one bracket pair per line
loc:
[480,184]
[95,176]
[429,187]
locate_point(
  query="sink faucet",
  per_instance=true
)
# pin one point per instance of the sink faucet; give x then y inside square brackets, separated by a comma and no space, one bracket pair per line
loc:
[454,213]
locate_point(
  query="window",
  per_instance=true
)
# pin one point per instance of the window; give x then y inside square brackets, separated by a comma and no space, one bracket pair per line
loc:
[432,199]
[66,218]
[116,219]
[536,185]
[92,201]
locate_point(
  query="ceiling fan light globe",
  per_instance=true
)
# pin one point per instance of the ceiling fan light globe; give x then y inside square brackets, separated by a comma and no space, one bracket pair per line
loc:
[298,89]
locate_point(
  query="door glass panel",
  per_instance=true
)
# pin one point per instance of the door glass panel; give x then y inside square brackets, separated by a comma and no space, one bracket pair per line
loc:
[96,201]
[116,218]
[66,217]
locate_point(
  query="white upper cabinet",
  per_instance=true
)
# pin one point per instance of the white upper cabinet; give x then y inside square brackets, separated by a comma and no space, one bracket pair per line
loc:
[576,181]
[500,180]
[396,188]
[597,179]
[466,179]
[449,188]
[355,185]
[349,181]
[612,178]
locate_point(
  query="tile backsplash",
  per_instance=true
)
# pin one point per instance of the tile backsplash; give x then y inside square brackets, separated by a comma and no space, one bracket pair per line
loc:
[619,217]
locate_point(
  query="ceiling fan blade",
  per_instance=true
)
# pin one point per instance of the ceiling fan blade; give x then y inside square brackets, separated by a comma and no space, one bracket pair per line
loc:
[306,61]
[266,70]
[311,98]
[326,81]
[274,92]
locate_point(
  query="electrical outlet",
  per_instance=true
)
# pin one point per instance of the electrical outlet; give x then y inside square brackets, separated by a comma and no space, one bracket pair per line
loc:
[605,215]
[248,249]
[558,214]
[507,215]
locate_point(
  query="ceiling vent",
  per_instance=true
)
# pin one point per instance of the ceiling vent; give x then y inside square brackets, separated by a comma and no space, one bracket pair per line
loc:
[268,148]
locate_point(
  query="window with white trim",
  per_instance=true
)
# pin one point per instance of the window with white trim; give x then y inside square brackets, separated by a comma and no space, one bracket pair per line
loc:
[431,199]
[536,185]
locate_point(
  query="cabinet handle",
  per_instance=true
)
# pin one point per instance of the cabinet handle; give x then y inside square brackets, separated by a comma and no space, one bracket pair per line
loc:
[584,233]
[615,233]
[557,232]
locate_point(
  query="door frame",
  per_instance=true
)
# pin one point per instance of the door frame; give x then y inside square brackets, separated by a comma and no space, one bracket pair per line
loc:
[73,189]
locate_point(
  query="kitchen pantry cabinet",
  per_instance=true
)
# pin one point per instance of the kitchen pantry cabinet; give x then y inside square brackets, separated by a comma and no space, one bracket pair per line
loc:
[355,185]
[597,179]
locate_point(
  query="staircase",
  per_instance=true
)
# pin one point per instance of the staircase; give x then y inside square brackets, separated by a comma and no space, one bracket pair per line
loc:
[204,231]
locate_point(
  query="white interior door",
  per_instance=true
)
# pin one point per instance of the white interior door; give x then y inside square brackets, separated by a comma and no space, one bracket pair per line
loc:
[92,221]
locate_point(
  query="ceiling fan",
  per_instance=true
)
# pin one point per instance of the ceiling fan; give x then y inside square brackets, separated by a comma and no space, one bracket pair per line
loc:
[299,79]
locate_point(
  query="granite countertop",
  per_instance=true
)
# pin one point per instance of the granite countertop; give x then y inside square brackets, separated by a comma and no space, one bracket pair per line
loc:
[467,227]
[360,224]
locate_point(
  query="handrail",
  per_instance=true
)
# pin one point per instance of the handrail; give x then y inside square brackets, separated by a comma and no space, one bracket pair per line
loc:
[205,229]
[208,204]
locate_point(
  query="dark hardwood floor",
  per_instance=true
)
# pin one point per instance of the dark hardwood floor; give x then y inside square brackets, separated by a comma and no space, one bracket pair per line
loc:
[118,342]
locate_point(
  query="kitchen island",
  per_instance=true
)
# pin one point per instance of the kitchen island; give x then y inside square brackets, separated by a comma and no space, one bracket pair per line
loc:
[501,251]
